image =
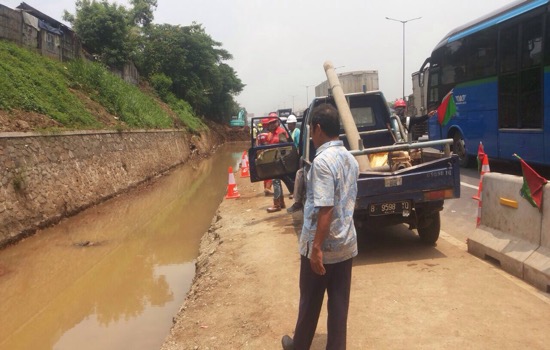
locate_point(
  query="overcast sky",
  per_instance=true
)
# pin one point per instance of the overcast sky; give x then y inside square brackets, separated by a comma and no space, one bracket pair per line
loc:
[279,46]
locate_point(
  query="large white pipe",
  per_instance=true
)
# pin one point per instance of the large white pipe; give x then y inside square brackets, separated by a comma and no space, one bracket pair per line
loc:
[352,134]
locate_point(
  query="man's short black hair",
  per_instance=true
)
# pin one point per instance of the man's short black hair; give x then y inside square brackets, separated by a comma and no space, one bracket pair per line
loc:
[326,115]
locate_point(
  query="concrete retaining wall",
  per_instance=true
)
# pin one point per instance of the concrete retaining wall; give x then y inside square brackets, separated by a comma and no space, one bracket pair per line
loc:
[516,237]
[44,178]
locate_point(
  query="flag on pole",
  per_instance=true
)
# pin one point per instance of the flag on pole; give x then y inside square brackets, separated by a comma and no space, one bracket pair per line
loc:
[447,109]
[532,184]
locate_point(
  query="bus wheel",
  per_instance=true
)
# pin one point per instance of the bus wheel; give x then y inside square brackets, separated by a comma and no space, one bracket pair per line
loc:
[460,150]
[429,227]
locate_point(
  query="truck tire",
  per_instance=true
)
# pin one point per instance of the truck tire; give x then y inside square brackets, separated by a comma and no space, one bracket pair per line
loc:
[429,227]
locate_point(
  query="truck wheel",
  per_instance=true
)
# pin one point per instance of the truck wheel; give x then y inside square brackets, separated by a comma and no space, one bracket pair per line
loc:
[429,227]
[459,149]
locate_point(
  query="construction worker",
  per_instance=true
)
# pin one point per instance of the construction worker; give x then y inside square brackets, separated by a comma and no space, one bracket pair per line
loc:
[254,133]
[262,140]
[400,106]
[277,134]
[294,132]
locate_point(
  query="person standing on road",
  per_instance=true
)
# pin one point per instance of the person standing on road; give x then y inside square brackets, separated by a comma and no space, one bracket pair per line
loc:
[262,140]
[328,241]
[294,132]
[276,134]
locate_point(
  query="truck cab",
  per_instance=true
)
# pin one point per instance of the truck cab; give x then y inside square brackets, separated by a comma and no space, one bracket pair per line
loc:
[407,182]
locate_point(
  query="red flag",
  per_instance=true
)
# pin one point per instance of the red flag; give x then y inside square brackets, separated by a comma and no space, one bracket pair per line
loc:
[532,184]
[447,109]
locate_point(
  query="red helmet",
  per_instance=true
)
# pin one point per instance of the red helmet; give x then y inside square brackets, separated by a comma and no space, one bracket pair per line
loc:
[272,115]
[265,121]
[399,103]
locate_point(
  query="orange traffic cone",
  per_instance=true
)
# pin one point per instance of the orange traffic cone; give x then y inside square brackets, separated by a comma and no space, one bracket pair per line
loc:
[232,191]
[484,169]
[244,165]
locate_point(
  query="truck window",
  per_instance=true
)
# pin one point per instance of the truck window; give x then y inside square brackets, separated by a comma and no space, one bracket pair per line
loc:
[363,116]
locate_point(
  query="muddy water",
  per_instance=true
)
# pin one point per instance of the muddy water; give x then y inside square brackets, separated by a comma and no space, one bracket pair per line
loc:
[113,276]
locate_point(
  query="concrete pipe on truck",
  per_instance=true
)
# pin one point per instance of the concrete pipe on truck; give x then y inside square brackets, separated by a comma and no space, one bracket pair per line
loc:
[354,139]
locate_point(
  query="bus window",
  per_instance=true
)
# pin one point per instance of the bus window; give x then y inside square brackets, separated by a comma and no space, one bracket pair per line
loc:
[508,49]
[520,83]
[454,69]
[482,54]
[531,44]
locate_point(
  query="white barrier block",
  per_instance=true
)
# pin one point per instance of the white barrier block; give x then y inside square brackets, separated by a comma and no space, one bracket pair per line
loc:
[508,235]
[537,266]
[524,222]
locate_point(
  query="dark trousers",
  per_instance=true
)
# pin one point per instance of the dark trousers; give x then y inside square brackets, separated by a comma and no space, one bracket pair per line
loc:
[337,283]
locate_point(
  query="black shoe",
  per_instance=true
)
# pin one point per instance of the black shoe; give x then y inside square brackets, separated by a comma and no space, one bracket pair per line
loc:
[294,208]
[287,342]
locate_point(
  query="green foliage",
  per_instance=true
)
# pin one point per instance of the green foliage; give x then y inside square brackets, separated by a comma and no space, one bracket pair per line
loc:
[162,84]
[123,100]
[185,113]
[193,60]
[142,12]
[33,83]
[104,30]
[185,54]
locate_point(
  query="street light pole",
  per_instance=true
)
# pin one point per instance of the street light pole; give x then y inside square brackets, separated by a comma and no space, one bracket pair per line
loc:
[404,22]
[307,94]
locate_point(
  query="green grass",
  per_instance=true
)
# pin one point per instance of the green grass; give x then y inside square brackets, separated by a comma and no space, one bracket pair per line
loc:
[31,82]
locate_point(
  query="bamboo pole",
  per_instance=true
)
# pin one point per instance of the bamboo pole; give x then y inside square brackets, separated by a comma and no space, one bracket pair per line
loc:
[352,134]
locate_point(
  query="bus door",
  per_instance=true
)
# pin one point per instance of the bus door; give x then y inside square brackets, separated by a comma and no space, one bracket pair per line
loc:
[520,89]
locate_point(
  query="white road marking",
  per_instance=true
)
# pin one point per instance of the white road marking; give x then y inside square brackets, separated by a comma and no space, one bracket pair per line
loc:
[468,185]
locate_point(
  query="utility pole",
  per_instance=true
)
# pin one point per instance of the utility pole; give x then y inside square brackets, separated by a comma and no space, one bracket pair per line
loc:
[307,94]
[403,22]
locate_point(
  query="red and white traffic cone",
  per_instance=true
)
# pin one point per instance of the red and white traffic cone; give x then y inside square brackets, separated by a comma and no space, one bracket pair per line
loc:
[479,197]
[244,165]
[232,191]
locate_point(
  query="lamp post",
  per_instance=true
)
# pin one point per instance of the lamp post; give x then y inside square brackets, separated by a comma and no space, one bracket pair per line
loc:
[404,22]
[307,95]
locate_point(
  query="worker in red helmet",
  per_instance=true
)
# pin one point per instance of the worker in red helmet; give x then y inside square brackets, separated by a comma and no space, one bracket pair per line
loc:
[277,134]
[400,106]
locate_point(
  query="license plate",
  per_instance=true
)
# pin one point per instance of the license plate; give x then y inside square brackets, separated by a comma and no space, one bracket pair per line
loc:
[389,208]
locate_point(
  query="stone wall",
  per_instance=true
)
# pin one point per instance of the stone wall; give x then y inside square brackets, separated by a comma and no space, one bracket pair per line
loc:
[44,178]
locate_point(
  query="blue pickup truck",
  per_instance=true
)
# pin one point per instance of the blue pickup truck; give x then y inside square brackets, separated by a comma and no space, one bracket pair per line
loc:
[407,182]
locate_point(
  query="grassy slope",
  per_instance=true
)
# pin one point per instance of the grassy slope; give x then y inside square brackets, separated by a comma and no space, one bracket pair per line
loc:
[33,83]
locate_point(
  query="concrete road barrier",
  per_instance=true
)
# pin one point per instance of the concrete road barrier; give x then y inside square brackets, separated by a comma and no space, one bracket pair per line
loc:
[510,229]
[537,267]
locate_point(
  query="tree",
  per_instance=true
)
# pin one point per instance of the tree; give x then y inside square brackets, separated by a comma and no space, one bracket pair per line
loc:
[142,12]
[194,62]
[103,29]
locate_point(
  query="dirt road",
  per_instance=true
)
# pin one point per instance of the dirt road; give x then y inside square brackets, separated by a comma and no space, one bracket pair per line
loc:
[404,295]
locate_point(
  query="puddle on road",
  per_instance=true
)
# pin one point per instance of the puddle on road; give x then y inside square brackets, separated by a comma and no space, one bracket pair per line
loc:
[113,276]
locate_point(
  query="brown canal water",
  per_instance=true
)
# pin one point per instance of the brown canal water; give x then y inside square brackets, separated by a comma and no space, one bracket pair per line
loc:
[113,276]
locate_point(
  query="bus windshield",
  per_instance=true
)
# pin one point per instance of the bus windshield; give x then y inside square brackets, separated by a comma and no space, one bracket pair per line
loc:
[495,69]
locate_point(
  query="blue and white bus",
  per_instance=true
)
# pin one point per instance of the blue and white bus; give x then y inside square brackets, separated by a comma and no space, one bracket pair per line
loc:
[499,70]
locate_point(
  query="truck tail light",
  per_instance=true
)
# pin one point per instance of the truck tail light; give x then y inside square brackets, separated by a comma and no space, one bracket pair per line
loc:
[438,195]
